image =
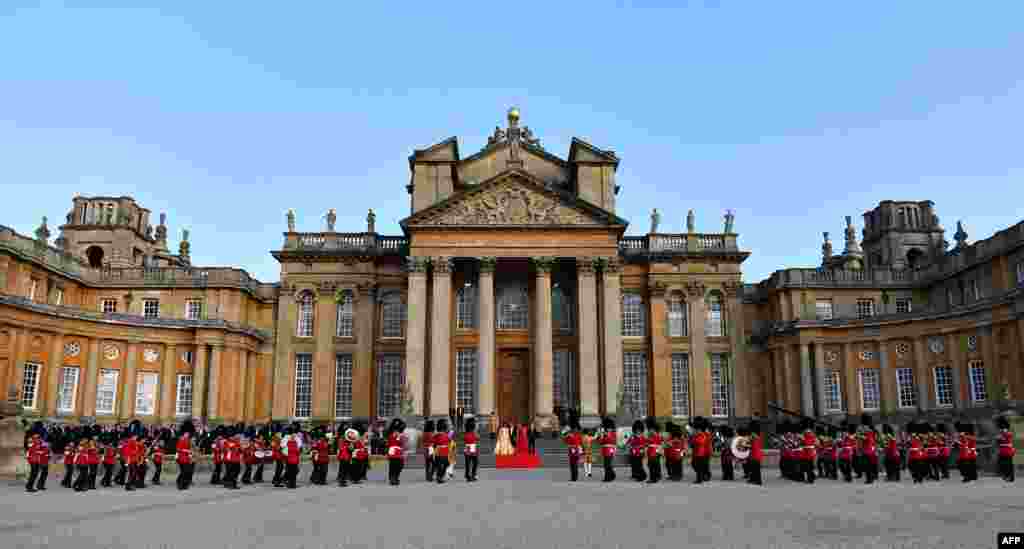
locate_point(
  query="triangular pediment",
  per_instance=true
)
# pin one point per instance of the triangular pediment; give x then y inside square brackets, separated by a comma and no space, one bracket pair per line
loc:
[514,198]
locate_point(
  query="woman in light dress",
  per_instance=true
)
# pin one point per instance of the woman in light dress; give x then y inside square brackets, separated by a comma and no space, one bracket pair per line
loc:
[504,447]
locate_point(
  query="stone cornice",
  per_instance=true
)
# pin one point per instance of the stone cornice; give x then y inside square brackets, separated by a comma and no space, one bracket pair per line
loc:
[694,289]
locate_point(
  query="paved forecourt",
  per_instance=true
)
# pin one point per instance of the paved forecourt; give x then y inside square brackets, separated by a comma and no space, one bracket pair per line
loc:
[516,509]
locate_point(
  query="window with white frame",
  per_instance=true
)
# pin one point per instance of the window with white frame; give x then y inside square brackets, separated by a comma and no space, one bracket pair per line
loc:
[67,389]
[975,292]
[513,307]
[833,391]
[869,398]
[108,306]
[58,297]
[345,314]
[677,316]
[392,315]
[183,396]
[465,379]
[305,321]
[562,308]
[29,385]
[680,384]
[465,307]
[564,387]
[713,322]
[343,386]
[903,306]
[979,391]
[943,386]
[194,309]
[632,315]
[390,380]
[823,309]
[720,385]
[150,308]
[634,381]
[865,308]
[106,392]
[303,386]
[905,387]
[33,287]
[145,394]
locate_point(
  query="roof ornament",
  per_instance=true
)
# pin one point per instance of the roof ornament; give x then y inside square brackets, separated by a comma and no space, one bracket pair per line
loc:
[514,135]
[43,232]
[961,235]
[826,249]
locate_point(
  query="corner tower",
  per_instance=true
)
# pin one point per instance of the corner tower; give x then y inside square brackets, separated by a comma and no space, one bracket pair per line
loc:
[902,235]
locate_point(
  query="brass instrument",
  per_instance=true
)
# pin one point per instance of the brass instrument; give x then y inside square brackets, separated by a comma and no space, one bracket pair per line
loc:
[740,447]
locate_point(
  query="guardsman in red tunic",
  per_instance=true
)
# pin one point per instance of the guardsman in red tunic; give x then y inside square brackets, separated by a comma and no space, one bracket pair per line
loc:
[702,450]
[846,451]
[441,442]
[128,455]
[968,459]
[347,439]
[232,460]
[674,452]
[609,442]
[637,448]
[109,460]
[932,449]
[827,455]
[157,455]
[33,454]
[654,450]
[184,455]
[292,458]
[756,453]
[69,464]
[917,461]
[218,456]
[1006,449]
[396,451]
[808,452]
[428,449]
[249,459]
[261,454]
[321,459]
[892,454]
[279,460]
[361,455]
[574,445]
[471,449]
[869,446]
[945,449]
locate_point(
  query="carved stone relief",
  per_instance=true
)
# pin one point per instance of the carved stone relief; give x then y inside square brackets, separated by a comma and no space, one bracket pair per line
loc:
[509,203]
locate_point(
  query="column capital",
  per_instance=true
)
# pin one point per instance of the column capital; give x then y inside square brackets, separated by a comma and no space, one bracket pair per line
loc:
[542,265]
[586,266]
[441,265]
[609,265]
[416,265]
[657,290]
[487,264]
[732,288]
[694,289]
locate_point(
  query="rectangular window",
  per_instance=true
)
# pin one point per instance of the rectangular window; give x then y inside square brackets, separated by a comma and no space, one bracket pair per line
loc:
[303,386]
[345,318]
[58,297]
[564,384]
[681,385]
[106,392]
[29,385]
[823,309]
[949,297]
[194,309]
[634,382]
[465,307]
[145,394]
[905,386]
[979,392]
[869,388]
[108,306]
[720,385]
[833,392]
[677,318]
[390,380]
[943,386]
[713,325]
[343,386]
[465,379]
[903,306]
[632,316]
[150,308]
[865,308]
[392,316]
[33,286]
[183,399]
[975,292]
[189,357]
[67,389]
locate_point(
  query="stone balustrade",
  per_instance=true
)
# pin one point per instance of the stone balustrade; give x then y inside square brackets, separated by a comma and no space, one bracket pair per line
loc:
[689,243]
[330,242]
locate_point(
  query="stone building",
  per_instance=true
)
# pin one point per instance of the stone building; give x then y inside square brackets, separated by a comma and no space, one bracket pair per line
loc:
[511,292]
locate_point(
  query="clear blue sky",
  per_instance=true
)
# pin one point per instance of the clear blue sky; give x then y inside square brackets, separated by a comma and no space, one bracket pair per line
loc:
[225,114]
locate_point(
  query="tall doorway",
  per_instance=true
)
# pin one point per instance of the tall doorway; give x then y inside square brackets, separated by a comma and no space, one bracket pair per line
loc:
[514,386]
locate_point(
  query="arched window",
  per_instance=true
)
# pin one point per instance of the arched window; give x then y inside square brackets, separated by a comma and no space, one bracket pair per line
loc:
[345,314]
[713,325]
[305,322]
[633,315]
[465,307]
[513,307]
[677,316]
[562,309]
[392,315]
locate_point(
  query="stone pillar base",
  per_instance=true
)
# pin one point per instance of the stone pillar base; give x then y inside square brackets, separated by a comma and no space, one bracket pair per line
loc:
[546,422]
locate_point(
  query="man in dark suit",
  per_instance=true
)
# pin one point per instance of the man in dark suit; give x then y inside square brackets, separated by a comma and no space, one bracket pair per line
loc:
[532,433]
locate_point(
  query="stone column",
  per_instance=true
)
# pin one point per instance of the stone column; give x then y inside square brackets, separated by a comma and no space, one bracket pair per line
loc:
[742,394]
[1017,378]
[778,377]
[790,400]
[956,357]
[700,372]
[485,397]
[852,380]
[168,382]
[129,382]
[543,367]
[660,385]
[888,399]
[416,331]
[612,303]
[199,375]
[921,375]
[806,381]
[326,318]
[440,337]
[213,377]
[53,375]
[19,347]
[282,394]
[989,355]
[91,378]
[820,373]
[363,365]
[590,387]
[243,383]
[254,364]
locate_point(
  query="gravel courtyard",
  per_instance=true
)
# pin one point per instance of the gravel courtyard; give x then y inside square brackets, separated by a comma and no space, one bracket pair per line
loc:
[516,509]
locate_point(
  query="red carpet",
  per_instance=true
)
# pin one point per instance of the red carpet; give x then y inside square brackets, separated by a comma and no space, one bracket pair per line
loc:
[517,461]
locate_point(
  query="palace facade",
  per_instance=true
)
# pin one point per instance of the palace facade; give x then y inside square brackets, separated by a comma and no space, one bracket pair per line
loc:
[511,292]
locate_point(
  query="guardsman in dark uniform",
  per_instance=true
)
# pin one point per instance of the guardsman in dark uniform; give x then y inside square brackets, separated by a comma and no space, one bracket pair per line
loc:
[654,450]
[1006,449]
[428,449]
[69,464]
[674,452]
[933,451]
[396,451]
[441,442]
[574,445]
[637,447]
[609,443]
[471,449]
[756,453]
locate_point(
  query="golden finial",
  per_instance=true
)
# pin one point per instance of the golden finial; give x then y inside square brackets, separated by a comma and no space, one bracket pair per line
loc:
[513,114]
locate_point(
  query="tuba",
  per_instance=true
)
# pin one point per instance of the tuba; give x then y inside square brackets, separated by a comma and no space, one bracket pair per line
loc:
[740,447]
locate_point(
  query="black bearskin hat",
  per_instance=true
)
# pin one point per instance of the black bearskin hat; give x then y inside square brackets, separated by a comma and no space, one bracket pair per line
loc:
[651,424]
[743,431]
[187,427]
[638,426]
[397,426]
[887,429]
[470,425]
[727,431]
[942,428]
[755,427]
[968,428]
[442,426]
[850,428]
[428,426]
[820,430]
[360,427]
[807,425]
[1002,422]
[867,421]
[608,424]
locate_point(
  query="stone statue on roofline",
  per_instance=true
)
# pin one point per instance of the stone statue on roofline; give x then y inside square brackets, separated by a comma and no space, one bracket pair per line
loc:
[371,221]
[290,216]
[730,219]
[332,218]
[691,223]
[655,220]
